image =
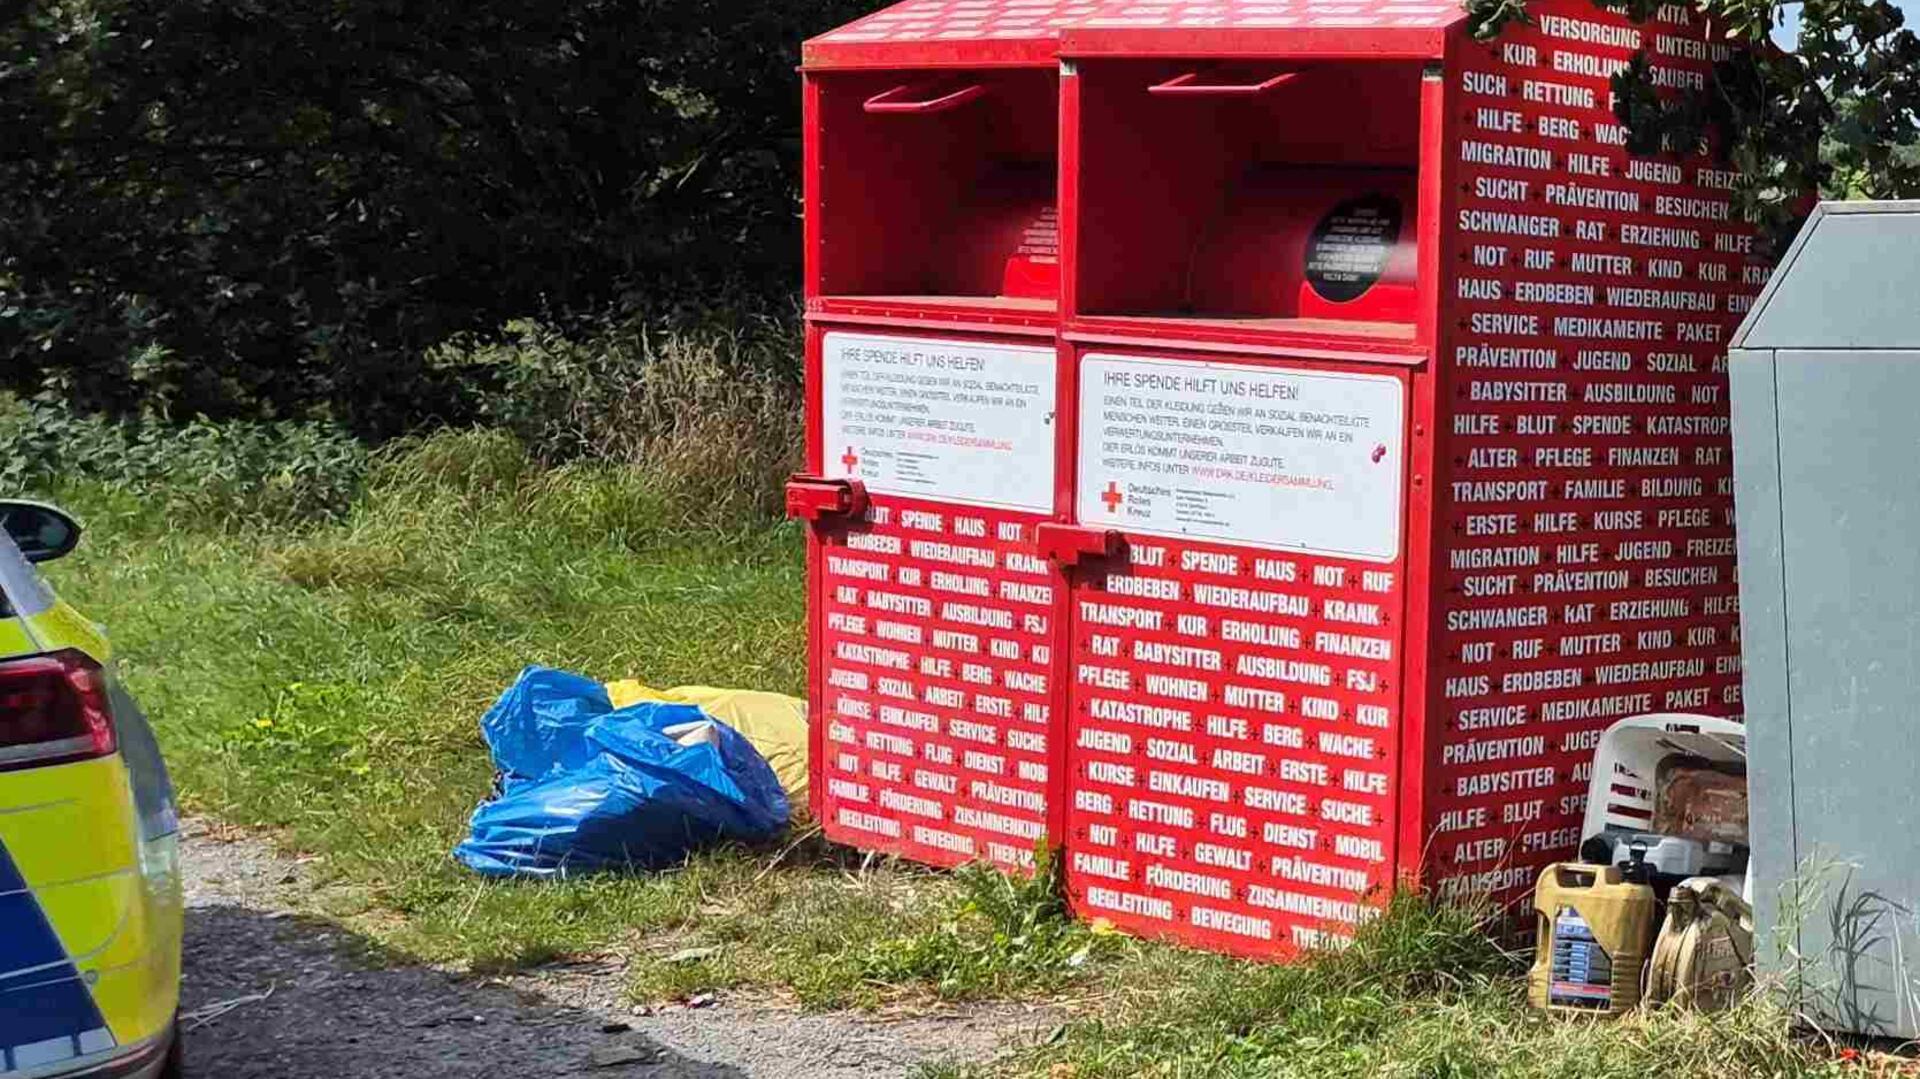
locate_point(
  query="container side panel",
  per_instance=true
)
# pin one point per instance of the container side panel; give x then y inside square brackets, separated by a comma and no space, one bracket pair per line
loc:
[1418,743]
[816,565]
[934,658]
[1236,675]
[810,184]
[1588,519]
[1849,511]
[1763,638]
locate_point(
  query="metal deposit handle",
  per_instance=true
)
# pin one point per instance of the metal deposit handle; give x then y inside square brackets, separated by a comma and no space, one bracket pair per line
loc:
[1185,84]
[889,100]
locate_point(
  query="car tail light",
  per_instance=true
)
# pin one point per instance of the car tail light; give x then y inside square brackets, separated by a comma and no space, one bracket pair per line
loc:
[53,709]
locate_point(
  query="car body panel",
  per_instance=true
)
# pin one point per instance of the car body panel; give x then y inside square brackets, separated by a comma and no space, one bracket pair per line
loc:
[13,638]
[89,875]
[60,626]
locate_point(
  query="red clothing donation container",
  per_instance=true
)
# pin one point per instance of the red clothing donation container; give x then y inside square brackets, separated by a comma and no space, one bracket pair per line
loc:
[1255,446]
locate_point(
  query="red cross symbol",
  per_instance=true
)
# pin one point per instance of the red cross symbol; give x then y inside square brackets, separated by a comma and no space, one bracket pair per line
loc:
[1112,497]
[850,459]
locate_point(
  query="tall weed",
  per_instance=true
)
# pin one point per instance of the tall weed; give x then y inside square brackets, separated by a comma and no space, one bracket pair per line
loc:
[1005,935]
[713,415]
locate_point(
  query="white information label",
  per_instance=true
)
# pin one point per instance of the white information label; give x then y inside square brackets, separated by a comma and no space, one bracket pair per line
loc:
[1295,460]
[960,421]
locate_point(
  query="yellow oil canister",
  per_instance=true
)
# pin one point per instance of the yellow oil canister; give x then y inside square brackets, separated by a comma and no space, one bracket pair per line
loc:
[1593,928]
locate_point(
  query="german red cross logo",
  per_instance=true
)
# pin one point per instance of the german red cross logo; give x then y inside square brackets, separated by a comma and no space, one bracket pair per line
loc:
[1112,497]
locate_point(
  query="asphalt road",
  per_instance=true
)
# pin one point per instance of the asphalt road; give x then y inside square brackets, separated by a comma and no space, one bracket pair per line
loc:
[271,992]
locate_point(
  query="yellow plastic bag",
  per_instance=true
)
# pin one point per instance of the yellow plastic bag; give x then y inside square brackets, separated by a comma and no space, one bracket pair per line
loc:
[775,723]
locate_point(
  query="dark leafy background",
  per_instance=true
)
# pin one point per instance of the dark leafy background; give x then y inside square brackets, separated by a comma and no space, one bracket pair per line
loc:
[276,209]
[271,208]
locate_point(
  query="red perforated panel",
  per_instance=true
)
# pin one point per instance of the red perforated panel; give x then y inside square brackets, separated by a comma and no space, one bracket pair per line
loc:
[936,662]
[1234,706]
[934,618]
[1232,734]
[1587,570]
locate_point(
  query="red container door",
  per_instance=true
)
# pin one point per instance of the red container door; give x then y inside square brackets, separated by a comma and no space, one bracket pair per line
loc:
[933,618]
[1232,720]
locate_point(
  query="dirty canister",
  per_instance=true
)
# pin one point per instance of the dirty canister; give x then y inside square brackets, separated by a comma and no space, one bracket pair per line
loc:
[1593,927]
[1702,957]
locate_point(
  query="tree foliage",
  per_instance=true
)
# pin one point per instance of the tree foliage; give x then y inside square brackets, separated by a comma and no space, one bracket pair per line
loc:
[273,207]
[1838,116]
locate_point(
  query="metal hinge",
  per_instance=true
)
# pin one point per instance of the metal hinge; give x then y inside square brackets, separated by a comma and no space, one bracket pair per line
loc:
[1067,546]
[812,498]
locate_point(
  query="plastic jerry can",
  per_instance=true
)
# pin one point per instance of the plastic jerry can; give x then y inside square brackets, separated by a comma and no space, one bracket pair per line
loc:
[1593,928]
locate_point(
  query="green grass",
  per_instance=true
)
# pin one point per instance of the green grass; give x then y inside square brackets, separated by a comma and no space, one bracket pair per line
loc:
[1422,994]
[325,684]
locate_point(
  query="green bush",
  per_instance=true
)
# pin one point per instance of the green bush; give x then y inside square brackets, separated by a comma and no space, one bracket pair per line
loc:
[626,431]
[218,473]
[713,415]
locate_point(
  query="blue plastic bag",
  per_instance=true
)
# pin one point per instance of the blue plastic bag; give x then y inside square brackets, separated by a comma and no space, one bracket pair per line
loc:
[584,786]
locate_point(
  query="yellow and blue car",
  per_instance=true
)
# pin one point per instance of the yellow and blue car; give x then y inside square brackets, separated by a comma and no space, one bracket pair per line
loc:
[90,904]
